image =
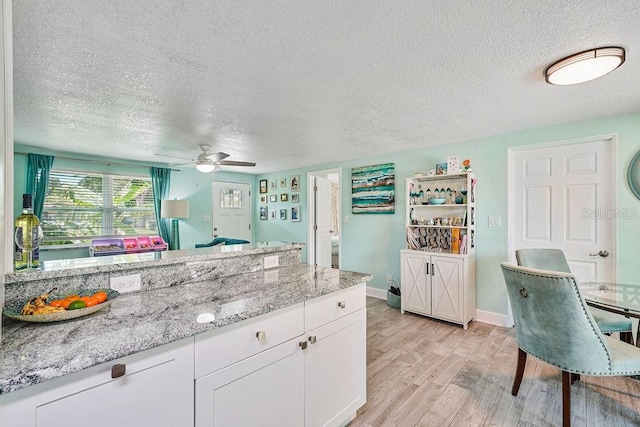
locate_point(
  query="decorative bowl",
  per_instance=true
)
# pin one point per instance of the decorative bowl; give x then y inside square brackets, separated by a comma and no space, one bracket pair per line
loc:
[435,201]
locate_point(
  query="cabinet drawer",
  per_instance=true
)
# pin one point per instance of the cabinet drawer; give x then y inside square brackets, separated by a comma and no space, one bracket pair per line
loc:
[216,349]
[330,307]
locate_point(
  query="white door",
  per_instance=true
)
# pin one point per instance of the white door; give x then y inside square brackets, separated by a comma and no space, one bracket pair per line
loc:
[323,221]
[562,197]
[231,210]
[446,288]
[415,279]
[263,390]
[335,370]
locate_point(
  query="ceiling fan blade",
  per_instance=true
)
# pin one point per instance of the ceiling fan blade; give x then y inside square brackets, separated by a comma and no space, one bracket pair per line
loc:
[235,163]
[174,157]
[216,157]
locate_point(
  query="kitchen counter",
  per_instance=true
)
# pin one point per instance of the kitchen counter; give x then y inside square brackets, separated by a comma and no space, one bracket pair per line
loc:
[32,353]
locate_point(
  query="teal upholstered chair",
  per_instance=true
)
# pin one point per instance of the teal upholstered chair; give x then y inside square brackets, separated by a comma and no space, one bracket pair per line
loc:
[554,324]
[554,260]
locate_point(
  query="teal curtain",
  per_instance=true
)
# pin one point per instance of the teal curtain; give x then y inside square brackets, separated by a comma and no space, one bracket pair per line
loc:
[160,182]
[38,170]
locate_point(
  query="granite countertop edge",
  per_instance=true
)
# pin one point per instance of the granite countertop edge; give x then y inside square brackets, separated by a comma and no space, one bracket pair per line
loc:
[28,354]
[137,261]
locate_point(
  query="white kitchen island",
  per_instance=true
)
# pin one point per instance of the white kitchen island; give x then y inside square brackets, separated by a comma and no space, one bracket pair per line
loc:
[283,346]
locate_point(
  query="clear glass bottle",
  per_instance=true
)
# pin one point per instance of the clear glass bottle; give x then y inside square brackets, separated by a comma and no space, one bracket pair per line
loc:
[28,236]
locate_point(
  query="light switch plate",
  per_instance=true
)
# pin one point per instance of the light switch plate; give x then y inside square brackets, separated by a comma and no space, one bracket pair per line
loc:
[495,221]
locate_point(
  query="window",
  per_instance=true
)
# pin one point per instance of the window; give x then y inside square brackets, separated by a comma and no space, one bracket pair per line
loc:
[82,206]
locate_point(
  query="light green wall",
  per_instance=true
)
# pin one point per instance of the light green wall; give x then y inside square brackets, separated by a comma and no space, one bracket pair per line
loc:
[372,243]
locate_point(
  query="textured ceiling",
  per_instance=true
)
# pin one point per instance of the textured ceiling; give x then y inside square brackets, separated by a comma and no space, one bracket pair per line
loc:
[298,83]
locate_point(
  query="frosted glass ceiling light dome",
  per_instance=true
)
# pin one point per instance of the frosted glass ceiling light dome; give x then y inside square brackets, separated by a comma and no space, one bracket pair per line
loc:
[585,66]
[205,166]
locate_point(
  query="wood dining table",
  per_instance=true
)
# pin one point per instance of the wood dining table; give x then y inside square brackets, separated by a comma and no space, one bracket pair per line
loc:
[617,298]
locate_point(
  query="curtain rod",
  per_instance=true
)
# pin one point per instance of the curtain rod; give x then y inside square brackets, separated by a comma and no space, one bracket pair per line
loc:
[104,162]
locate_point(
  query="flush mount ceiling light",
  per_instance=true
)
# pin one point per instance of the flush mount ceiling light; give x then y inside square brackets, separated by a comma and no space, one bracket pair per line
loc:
[585,66]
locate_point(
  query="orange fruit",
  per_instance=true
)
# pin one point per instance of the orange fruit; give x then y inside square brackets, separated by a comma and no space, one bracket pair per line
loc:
[101,295]
[90,301]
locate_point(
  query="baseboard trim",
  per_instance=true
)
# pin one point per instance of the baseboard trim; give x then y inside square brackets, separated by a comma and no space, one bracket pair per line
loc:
[376,293]
[493,318]
[481,315]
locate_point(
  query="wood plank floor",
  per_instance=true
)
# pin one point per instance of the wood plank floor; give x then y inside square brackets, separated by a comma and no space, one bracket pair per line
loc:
[423,372]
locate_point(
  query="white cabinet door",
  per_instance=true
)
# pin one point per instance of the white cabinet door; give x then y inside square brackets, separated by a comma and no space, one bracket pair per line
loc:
[415,280]
[263,390]
[156,390]
[446,288]
[336,370]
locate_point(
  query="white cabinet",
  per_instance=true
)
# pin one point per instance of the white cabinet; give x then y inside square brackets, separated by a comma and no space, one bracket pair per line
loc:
[266,389]
[317,378]
[336,357]
[155,390]
[439,286]
[438,270]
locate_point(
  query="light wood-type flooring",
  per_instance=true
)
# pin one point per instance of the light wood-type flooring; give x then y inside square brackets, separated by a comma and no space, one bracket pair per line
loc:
[423,372]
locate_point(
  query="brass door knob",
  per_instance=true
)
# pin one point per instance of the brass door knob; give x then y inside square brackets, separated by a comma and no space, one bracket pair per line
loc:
[118,370]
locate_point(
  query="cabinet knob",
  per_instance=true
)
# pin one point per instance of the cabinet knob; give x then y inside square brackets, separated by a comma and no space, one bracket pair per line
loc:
[303,345]
[341,304]
[261,335]
[118,370]
[312,339]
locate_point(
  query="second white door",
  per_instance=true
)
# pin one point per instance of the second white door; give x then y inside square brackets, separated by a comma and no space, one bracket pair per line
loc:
[231,210]
[563,197]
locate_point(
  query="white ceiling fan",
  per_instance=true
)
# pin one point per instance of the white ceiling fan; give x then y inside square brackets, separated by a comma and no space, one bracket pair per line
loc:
[210,162]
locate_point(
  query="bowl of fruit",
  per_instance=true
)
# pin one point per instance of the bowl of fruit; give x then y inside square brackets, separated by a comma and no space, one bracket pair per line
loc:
[55,306]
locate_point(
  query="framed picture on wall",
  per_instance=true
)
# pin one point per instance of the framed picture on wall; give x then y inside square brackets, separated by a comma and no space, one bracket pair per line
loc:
[263,198]
[263,186]
[283,214]
[295,213]
[284,197]
[295,198]
[273,185]
[263,212]
[295,183]
[283,182]
[273,214]
[273,198]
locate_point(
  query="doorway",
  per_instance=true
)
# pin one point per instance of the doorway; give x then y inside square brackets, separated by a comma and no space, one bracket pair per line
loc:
[324,207]
[231,210]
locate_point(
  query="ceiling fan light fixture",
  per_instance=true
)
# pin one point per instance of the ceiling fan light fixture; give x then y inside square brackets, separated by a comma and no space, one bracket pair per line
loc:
[585,66]
[205,166]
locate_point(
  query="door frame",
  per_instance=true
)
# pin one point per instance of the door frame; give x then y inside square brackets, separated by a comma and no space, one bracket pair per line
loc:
[612,138]
[311,208]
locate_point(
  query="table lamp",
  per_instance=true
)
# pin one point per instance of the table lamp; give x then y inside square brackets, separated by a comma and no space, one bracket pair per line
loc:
[174,209]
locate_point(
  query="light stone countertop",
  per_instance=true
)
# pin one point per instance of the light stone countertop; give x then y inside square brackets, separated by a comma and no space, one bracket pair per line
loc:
[32,353]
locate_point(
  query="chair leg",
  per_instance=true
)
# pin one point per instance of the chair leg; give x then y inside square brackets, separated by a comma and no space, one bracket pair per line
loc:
[566,399]
[626,337]
[522,360]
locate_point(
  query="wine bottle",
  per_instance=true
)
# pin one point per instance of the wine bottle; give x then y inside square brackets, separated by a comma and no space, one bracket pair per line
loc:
[27,236]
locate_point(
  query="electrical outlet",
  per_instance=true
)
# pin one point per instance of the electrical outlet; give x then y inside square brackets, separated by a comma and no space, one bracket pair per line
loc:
[389,278]
[123,284]
[495,221]
[271,261]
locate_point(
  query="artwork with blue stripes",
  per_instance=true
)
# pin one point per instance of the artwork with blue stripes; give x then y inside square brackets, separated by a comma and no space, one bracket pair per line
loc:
[373,189]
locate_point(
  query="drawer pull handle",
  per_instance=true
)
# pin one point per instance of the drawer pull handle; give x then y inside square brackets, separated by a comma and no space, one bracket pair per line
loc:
[303,345]
[312,339]
[118,371]
[261,335]
[341,304]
